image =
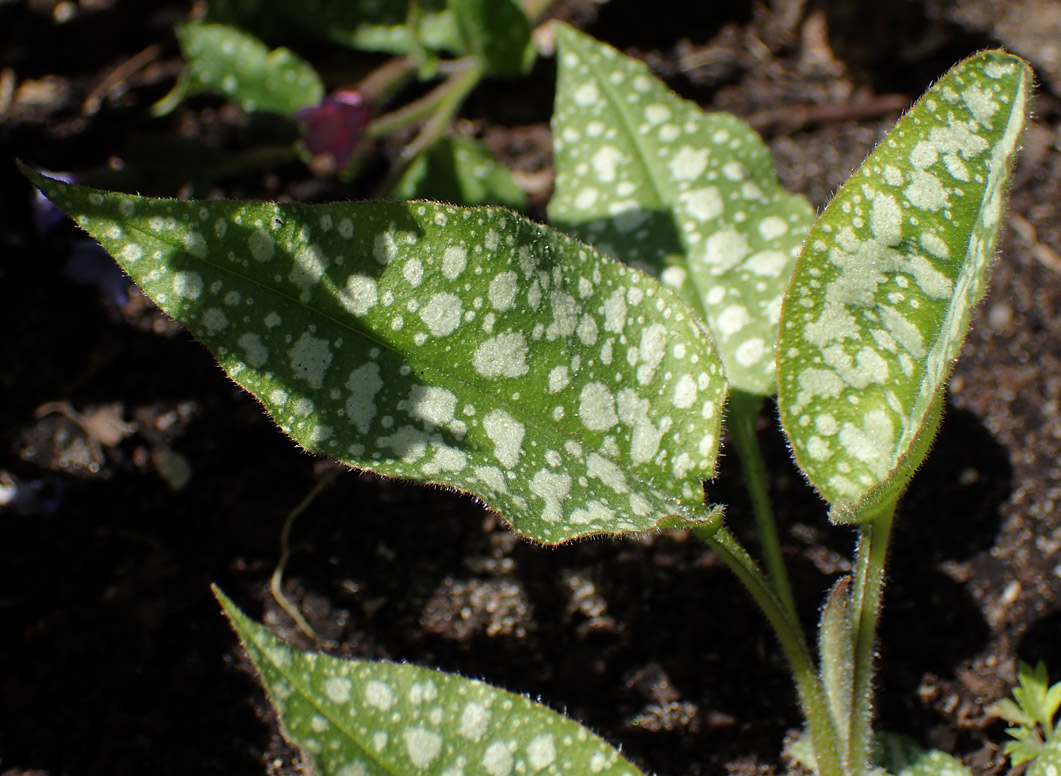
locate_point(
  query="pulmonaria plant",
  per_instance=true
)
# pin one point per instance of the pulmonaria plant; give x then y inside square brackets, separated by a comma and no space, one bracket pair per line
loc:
[547,371]
[459,40]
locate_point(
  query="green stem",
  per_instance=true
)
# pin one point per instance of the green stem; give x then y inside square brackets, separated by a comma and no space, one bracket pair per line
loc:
[448,99]
[786,627]
[870,557]
[743,413]
[382,83]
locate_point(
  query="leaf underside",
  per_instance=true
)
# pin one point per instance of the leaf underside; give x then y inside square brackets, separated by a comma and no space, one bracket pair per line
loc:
[692,197]
[359,718]
[881,297]
[466,347]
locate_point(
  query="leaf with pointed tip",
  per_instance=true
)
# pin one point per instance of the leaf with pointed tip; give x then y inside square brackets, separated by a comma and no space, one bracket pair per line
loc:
[468,347]
[652,180]
[461,171]
[228,61]
[881,296]
[360,718]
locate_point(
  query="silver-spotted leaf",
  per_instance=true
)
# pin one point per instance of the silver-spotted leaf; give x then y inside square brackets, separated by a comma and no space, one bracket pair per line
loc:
[881,296]
[228,61]
[902,756]
[359,718]
[467,347]
[1048,761]
[651,179]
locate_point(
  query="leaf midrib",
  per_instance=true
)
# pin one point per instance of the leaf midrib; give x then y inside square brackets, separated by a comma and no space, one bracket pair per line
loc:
[495,399]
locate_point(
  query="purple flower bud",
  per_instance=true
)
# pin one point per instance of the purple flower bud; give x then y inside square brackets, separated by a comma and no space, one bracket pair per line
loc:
[46,216]
[334,127]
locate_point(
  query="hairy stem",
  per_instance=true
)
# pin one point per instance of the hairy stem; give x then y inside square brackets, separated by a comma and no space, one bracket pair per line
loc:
[743,412]
[870,557]
[446,101]
[793,644]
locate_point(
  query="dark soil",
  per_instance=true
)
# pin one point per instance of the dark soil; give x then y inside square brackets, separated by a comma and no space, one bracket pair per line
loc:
[114,658]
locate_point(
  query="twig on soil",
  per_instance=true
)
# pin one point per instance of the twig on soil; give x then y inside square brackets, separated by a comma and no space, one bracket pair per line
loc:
[276,582]
[1044,254]
[122,72]
[789,118]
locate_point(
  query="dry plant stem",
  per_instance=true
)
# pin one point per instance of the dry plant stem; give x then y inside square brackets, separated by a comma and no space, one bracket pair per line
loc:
[870,557]
[811,698]
[276,582]
[380,85]
[743,413]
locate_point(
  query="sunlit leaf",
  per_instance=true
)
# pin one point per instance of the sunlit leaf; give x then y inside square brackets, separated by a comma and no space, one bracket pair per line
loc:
[652,180]
[359,718]
[881,296]
[462,172]
[228,61]
[1048,760]
[468,347]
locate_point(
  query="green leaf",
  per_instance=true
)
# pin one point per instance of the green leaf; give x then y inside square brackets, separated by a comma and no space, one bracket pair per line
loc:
[1048,761]
[881,296]
[902,756]
[693,197]
[227,61]
[366,25]
[359,718]
[461,171]
[836,657]
[468,347]
[496,31]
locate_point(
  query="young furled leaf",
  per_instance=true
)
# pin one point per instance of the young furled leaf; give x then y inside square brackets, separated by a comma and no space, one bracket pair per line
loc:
[228,61]
[881,296]
[467,347]
[359,718]
[652,180]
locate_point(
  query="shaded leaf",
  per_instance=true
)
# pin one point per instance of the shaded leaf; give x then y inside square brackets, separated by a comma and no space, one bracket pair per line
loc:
[468,347]
[652,180]
[228,61]
[367,25]
[359,718]
[881,297]
[496,31]
[461,171]
[902,756]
